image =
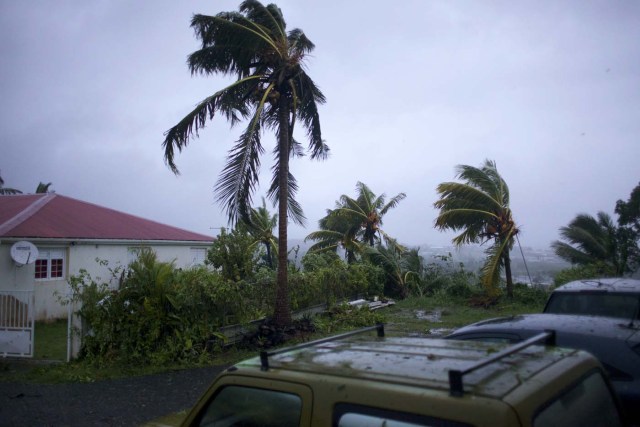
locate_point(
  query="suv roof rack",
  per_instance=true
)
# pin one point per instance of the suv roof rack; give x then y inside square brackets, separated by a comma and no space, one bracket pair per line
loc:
[456,387]
[264,355]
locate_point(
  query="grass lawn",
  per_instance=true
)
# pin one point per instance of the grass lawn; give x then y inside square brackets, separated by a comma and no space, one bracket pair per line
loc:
[432,316]
[51,340]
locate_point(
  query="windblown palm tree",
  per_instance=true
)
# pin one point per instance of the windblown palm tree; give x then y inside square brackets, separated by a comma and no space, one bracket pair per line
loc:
[479,207]
[594,241]
[336,232]
[260,226]
[272,92]
[6,190]
[355,222]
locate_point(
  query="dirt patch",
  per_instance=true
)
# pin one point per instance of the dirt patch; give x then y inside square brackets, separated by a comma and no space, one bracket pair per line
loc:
[120,402]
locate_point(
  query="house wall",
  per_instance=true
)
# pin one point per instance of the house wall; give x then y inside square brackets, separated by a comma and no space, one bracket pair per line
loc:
[81,255]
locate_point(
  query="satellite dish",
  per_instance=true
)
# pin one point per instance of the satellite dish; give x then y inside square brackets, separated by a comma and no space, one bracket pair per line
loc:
[24,252]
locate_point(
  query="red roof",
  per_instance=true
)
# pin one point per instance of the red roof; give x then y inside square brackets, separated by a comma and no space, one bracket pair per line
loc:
[54,216]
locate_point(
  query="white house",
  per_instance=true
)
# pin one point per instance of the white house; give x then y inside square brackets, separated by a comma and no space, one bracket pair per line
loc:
[70,235]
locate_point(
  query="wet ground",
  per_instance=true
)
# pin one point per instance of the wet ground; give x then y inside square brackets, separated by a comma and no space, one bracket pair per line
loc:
[120,402]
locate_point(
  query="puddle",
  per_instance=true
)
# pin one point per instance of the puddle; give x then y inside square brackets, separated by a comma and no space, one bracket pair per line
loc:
[431,316]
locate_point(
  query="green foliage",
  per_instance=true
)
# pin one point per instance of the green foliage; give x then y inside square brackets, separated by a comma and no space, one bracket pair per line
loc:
[327,279]
[534,296]
[343,316]
[443,279]
[597,242]
[157,315]
[234,254]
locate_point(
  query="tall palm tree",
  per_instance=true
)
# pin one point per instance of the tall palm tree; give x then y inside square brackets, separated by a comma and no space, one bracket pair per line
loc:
[355,222]
[479,207]
[273,92]
[6,190]
[260,225]
[590,241]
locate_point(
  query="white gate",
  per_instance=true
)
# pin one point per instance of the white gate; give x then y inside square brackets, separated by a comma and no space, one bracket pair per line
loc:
[16,323]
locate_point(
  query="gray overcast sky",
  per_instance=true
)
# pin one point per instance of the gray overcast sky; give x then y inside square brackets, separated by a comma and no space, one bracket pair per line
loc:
[549,90]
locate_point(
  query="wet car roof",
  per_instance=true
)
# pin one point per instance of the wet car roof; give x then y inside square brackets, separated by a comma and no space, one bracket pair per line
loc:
[571,323]
[420,362]
[610,284]
[561,323]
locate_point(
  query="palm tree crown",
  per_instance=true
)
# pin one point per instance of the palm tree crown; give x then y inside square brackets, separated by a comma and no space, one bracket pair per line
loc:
[479,207]
[272,92]
[590,240]
[260,226]
[355,222]
[7,190]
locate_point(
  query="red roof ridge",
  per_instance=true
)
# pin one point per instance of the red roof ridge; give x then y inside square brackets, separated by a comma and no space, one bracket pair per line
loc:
[27,213]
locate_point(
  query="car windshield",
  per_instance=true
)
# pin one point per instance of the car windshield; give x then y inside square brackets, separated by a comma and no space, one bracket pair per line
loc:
[622,305]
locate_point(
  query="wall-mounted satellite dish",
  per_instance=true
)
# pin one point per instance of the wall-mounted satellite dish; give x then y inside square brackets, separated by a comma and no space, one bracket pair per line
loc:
[24,253]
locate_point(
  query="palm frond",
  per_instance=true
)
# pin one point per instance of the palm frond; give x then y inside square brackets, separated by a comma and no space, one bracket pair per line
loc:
[571,254]
[294,210]
[393,203]
[490,276]
[308,97]
[458,195]
[486,179]
[239,177]
[269,17]
[224,100]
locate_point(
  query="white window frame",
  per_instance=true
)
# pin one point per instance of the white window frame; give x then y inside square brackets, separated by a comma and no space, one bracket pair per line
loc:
[50,254]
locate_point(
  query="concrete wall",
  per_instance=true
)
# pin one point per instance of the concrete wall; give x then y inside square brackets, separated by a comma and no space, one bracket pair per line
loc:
[81,255]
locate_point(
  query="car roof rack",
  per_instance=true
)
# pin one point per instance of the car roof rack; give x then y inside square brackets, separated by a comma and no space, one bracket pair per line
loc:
[456,386]
[264,355]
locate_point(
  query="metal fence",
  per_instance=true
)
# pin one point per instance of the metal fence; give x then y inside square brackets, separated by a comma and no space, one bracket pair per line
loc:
[16,323]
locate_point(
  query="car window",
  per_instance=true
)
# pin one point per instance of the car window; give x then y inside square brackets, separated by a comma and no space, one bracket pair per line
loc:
[589,402]
[236,406]
[349,415]
[624,306]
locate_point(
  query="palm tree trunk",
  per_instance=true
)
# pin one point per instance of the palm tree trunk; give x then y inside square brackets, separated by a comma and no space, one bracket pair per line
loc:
[507,272]
[269,256]
[282,313]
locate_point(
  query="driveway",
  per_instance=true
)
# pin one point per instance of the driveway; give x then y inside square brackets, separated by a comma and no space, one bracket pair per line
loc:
[119,402]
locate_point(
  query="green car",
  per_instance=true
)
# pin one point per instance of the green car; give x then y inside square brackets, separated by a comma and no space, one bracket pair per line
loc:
[361,379]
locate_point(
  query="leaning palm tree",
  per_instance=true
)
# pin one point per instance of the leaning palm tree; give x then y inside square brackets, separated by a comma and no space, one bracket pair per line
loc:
[260,225]
[593,241]
[479,207]
[272,92]
[7,190]
[355,222]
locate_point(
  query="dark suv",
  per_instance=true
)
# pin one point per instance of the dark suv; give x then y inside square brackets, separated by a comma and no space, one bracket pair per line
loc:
[608,297]
[614,342]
